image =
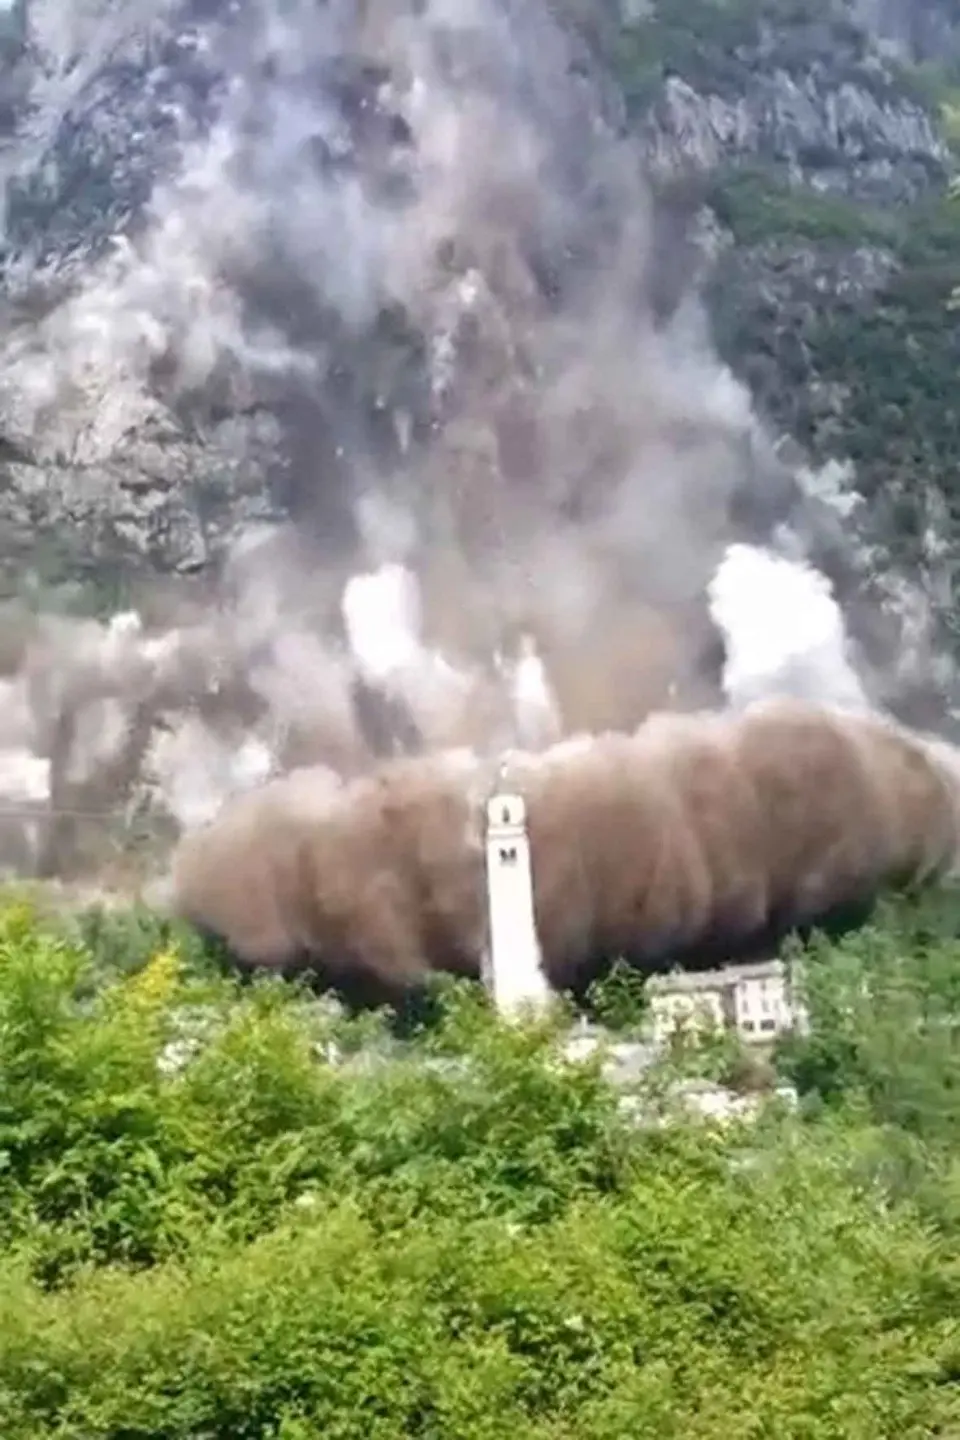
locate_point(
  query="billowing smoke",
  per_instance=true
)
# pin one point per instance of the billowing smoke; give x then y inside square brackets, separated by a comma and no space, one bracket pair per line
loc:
[784,631]
[699,838]
[479,464]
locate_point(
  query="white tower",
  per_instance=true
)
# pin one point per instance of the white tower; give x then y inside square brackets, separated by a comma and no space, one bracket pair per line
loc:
[514,971]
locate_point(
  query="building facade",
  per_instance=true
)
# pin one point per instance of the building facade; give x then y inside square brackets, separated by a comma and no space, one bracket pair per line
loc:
[759,1001]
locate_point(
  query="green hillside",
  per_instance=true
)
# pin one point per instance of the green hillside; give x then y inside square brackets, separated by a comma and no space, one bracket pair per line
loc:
[249,1241]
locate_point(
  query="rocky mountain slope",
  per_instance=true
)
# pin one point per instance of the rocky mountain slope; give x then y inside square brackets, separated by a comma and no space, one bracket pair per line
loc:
[799,152]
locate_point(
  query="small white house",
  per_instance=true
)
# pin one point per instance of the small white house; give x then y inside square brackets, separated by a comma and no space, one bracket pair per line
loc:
[701,1008]
[756,1000]
[762,1003]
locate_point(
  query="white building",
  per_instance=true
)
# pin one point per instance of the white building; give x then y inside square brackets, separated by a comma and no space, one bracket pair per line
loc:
[763,1003]
[699,1008]
[759,1001]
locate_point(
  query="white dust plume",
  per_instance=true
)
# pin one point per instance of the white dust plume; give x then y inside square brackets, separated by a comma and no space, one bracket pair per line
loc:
[784,631]
[451,469]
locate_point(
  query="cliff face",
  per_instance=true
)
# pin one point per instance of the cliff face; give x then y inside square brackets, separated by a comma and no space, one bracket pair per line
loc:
[832,296]
[820,136]
[799,150]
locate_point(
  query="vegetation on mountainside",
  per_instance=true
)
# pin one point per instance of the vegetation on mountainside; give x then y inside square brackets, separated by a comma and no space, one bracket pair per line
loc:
[238,1238]
[832,306]
[758,207]
[849,340]
[717,46]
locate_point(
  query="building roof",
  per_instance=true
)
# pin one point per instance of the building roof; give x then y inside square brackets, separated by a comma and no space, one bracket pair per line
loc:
[692,981]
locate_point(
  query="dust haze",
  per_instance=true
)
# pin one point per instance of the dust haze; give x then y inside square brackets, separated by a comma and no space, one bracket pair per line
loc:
[525,501]
[697,839]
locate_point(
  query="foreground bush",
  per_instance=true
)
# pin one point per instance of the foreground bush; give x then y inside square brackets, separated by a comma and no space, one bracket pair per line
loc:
[211,1230]
[133,1118]
[885,1010]
[699,1301]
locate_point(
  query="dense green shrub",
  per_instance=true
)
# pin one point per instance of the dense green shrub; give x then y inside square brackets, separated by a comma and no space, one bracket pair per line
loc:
[699,1303]
[885,1020]
[112,1156]
[883,1052]
[241,1238]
